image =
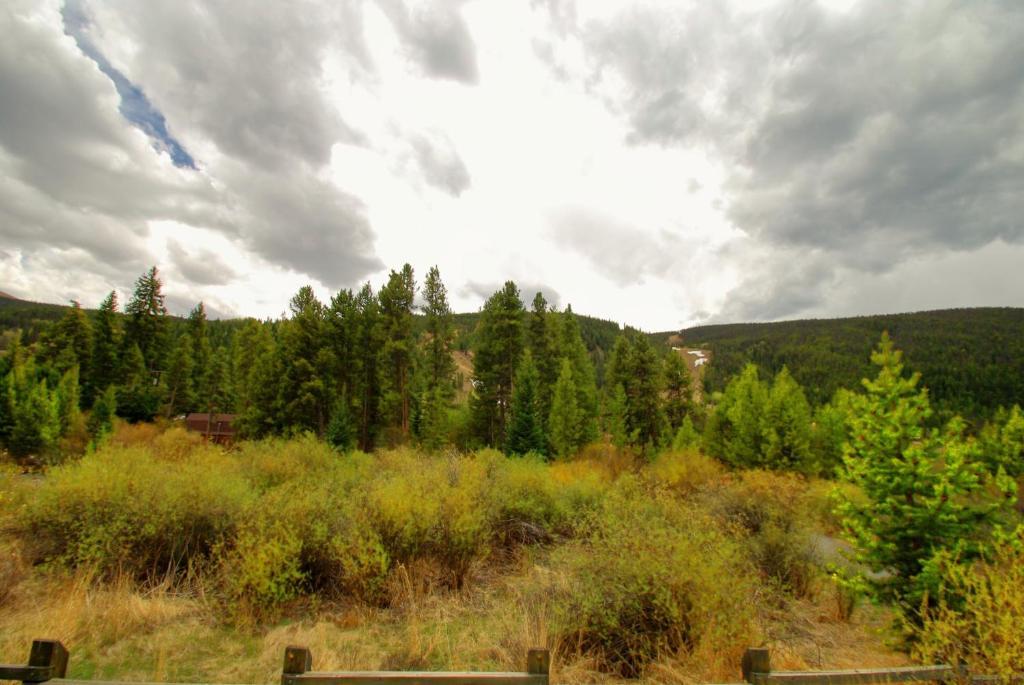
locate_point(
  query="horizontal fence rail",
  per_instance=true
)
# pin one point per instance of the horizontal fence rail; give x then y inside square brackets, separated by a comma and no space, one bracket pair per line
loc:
[757,670]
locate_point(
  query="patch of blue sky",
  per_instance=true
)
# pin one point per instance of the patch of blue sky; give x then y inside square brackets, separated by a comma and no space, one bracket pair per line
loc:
[135,106]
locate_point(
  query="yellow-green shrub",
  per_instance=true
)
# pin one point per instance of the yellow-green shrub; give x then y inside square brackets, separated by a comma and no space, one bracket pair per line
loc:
[120,509]
[654,576]
[982,628]
[685,471]
[769,509]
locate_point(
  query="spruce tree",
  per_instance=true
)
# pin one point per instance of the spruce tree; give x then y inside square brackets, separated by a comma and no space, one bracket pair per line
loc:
[69,400]
[636,367]
[36,426]
[543,343]
[396,301]
[564,426]
[572,347]
[106,343]
[678,390]
[138,398]
[733,432]
[498,345]
[101,418]
[306,362]
[439,367]
[366,367]
[618,418]
[922,491]
[786,426]
[146,323]
[199,339]
[68,342]
[179,378]
[341,431]
[525,428]
[434,424]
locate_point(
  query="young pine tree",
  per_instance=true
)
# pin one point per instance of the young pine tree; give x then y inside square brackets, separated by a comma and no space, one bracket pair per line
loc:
[525,426]
[786,426]
[565,431]
[923,490]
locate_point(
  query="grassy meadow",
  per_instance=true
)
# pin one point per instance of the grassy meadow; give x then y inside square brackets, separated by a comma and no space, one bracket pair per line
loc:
[158,557]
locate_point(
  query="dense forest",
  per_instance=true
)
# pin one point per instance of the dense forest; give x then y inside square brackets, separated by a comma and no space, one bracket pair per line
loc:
[971,359]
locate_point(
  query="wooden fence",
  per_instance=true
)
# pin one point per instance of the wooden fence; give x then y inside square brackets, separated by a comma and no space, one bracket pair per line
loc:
[48,661]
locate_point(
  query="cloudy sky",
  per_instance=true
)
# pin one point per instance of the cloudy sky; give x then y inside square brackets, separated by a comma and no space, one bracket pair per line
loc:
[657,163]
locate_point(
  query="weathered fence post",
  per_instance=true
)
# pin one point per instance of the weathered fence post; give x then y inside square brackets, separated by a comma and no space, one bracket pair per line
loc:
[297,660]
[756,660]
[538,662]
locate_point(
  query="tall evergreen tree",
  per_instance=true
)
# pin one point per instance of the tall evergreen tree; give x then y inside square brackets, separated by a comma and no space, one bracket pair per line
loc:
[396,300]
[249,345]
[543,343]
[733,431]
[146,323]
[369,341]
[636,367]
[179,378]
[571,347]
[68,342]
[786,426]
[138,397]
[439,367]
[199,338]
[564,424]
[106,343]
[101,418]
[306,362]
[678,390]
[498,346]
[525,427]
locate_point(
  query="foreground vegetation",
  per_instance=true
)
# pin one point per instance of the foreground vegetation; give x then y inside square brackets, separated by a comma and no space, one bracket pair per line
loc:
[403,559]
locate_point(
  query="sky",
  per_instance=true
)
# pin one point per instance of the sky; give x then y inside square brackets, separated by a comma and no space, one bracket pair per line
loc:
[661,164]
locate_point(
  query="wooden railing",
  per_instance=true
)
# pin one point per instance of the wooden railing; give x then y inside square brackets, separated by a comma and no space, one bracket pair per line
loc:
[48,661]
[757,670]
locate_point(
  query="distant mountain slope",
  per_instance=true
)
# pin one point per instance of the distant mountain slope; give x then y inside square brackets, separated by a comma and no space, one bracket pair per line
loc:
[971,360]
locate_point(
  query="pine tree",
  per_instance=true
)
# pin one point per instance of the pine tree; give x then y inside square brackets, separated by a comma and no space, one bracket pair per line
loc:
[36,426]
[179,378]
[786,426]
[618,418]
[439,367]
[262,412]
[564,422]
[498,347]
[434,423]
[543,343]
[923,491]
[678,393]
[199,340]
[366,367]
[101,418]
[687,437]
[250,344]
[341,431]
[138,398]
[146,324]
[306,362]
[106,343]
[733,432]
[525,428]
[396,300]
[69,400]
[635,366]
[68,342]
[571,347]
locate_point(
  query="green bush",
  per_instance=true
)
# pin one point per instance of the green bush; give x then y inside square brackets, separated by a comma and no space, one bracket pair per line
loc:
[652,577]
[121,509]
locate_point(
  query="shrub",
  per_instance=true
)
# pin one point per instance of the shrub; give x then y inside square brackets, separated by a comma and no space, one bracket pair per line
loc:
[685,471]
[980,623]
[119,509]
[768,509]
[653,577]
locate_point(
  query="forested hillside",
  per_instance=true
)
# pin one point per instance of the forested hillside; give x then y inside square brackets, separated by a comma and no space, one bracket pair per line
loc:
[972,360]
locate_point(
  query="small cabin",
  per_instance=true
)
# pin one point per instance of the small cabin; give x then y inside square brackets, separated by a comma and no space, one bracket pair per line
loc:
[217,428]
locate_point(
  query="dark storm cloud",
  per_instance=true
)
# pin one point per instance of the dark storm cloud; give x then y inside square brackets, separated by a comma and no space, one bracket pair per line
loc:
[872,136]
[527,291]
[621,252]
[200,265]
[440,164]
[437,38]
